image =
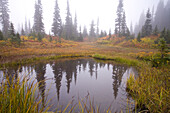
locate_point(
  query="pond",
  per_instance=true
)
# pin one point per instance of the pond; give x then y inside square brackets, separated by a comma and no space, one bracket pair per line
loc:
[72,79]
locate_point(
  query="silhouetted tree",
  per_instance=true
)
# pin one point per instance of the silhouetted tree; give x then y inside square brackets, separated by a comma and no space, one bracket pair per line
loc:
[85,34]
[1,35]
[38,18]
[4,17]
[118,21]
[68,24]
[139,37]
[155,31]
[75,32]
[92,30]
[11,31]
[57,24]
[40,70]
[80,35]
[97,29]
[58,73]
[148,24]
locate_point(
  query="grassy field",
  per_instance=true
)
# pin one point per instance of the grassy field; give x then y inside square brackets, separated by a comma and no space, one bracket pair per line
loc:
[150,90]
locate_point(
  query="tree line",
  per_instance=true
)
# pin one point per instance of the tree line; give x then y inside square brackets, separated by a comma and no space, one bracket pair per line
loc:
[155,22]
[68,30]
[71,31]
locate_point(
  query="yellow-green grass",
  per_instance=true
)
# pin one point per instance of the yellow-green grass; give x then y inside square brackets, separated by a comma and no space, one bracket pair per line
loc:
[150,89]
[18,96]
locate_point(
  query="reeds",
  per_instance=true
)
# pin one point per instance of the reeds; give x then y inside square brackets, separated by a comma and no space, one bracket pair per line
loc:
[19,96]
[151,90]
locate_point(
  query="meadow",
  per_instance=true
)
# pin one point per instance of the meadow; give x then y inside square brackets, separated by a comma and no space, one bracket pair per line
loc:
[150,90]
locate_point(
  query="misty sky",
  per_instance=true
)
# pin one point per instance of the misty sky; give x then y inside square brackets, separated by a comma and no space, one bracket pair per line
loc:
[86,11]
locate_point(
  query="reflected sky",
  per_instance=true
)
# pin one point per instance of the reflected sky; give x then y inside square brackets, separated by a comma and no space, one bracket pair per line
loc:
[65,80]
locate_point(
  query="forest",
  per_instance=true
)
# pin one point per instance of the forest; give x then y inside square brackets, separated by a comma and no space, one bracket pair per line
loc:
[144,45]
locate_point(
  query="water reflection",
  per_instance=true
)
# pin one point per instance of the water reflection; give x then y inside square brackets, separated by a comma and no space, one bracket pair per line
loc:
[40,70]
[72,77]
[118,71]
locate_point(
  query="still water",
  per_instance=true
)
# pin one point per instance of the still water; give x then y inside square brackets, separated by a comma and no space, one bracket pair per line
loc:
[70,79]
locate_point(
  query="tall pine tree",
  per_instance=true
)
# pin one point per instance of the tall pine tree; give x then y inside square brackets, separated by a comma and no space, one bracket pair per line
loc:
[92,30]
[4,17]
[85,34]
[75,32]
[38,18]
[118,21]
[57,24]
[68,24]
[148,24]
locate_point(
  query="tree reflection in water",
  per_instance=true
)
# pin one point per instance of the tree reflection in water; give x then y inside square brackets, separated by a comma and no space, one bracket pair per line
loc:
[82,74]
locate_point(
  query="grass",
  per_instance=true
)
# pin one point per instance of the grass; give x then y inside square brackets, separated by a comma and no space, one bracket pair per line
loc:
[130,62]
[150,90]
[18,96]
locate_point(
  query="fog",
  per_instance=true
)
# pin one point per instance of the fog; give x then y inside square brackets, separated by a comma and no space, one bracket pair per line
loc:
[87,10]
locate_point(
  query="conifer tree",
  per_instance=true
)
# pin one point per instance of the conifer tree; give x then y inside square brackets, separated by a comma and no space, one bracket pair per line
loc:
[110,35]
[85,34]
[118,21]
[123,32]
[155,32]
[57,24]
[75,32]
[80,35]
[38,18]
[11,31]
[92,30]
[97,30]
[68,24]
[139,37]
[1,35]
[4,17]
[148,24]
[18,39]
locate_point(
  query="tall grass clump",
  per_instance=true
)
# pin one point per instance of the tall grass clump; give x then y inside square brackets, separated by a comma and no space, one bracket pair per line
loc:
[19,96]
[151,90]
[130,62]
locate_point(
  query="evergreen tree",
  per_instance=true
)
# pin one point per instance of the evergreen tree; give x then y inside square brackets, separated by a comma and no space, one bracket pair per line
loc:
[85,34]
[123,25]
[38,18]
[57,24]
[140,24]
[18,39]
[11,31]
[26,27]
[167,38]
[148,24]
[80,35]
[22,31]
[163,33]
[29,27]
[4,16]
[155,32]
[162,47]
[101,34]
[118,21]
[92,30]
[159,15]
[97,30]
[139,37]
[110,34]
[131,28]
[68,24]
[75,32]
[1,35]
